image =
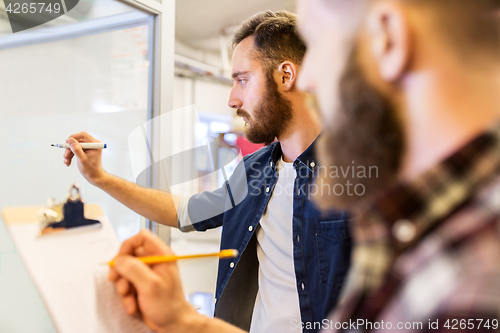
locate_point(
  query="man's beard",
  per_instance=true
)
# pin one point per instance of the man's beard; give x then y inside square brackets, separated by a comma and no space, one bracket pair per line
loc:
[271,117]
[366,134]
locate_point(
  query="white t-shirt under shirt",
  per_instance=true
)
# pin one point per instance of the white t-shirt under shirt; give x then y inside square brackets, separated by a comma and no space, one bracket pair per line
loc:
[277,301]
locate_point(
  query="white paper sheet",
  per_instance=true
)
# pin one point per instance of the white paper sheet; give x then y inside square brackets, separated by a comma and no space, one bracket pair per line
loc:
[68,272]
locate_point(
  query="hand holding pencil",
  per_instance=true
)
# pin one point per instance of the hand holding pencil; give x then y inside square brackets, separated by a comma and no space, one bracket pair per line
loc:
[155,292]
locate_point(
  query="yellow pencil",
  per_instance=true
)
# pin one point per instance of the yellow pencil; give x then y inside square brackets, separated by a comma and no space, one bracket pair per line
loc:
[160,259]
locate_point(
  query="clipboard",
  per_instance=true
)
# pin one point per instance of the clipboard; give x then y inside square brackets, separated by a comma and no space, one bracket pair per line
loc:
[67,216]
[66,268]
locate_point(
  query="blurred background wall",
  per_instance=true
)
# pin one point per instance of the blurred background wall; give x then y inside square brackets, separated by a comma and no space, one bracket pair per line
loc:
[204,31]
[91,69]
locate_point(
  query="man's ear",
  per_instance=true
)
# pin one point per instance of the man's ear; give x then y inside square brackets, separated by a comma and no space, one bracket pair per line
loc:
[389,38]
[287,71]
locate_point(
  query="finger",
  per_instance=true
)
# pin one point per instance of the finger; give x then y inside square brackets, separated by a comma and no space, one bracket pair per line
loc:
[140,252]
[122,287]
[77,149]
[113,274]
[130,304]
[136,272]
[130,245]
[83,137]
[151,244]
[68,155]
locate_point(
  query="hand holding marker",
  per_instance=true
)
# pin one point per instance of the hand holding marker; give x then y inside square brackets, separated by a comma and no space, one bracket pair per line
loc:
[88,151]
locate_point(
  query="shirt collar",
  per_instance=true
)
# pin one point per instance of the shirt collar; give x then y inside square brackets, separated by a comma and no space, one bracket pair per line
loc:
[307,158]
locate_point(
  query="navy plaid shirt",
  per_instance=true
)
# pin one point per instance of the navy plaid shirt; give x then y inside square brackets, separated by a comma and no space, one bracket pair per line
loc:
[427,253]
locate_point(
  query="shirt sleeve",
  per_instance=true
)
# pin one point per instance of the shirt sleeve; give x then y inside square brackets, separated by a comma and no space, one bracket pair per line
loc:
[184,223]
[206,210]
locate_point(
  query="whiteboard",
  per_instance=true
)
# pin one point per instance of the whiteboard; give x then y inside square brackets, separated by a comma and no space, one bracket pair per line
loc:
[98,82]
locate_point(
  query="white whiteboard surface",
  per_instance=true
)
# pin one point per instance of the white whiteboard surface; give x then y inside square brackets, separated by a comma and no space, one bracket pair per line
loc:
[99,83]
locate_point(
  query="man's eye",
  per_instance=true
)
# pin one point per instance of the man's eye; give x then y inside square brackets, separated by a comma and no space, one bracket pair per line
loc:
[241,81]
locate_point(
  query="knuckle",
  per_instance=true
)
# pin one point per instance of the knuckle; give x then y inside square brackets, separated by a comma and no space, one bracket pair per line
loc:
[122,286]
[118,289]
[153,286]
[126,245]
[127,302]
[112,275]
[144,232]
[127,266]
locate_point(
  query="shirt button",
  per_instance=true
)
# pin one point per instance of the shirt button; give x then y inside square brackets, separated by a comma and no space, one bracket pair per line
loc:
[231,265]
[268,189]
[312,164]
[297,238]
[271,163]
[404,230]
[302,286]
[215,300]
[250,228]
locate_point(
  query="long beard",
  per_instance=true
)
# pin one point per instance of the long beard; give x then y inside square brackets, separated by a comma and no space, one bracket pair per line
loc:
[271,117]
[362,150]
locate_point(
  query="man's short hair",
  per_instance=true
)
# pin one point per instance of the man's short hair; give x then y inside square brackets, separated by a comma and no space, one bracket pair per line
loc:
[276,38]
[471,25]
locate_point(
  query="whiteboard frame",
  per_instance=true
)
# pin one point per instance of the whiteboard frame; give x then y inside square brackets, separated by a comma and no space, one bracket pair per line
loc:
[163,80]
[116,22]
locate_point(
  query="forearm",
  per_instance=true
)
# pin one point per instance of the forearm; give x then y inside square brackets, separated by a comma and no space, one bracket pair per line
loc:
[153,204]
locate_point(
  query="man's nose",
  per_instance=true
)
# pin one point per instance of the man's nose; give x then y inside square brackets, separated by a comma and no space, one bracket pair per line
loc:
[234,100]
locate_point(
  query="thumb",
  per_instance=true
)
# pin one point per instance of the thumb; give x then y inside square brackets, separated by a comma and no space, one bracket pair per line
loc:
[135,271]
[76,148]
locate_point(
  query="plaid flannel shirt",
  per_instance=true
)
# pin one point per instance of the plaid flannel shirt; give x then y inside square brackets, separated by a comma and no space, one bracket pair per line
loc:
[427,254]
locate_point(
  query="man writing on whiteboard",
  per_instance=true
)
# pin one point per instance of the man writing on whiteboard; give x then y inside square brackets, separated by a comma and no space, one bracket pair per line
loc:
[293,259]
[413,86]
